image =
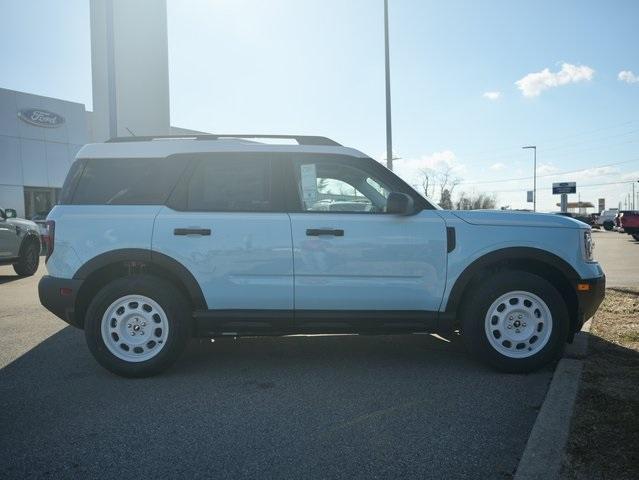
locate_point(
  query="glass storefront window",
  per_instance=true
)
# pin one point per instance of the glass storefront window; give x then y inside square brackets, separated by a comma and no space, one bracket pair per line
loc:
[39,201]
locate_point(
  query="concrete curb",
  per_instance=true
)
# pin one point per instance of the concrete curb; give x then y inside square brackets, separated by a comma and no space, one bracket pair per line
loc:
[544,450]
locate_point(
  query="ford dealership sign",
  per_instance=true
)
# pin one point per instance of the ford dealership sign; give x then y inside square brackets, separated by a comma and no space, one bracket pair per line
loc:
[40,118]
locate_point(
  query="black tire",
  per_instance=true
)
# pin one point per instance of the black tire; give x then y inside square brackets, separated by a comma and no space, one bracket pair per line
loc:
[178,315]
[608,225]
[29,259]
[635,236]
[488,291]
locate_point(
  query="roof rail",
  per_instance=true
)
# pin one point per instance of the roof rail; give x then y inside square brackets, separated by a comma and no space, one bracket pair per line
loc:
[301,139]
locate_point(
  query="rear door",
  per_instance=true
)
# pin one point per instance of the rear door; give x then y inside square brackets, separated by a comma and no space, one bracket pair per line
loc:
[225,222]
[350,255]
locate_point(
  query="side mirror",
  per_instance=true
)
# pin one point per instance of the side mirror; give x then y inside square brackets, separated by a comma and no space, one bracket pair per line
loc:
[10,213]
[400,204]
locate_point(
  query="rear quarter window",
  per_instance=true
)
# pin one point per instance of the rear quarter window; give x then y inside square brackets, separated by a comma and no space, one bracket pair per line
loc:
[127,181]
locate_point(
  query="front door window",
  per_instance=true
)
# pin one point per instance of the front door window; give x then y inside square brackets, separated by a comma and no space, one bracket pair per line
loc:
[330,186]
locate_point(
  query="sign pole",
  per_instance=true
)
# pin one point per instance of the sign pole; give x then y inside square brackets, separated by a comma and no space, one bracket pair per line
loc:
[534,147]
[535,181]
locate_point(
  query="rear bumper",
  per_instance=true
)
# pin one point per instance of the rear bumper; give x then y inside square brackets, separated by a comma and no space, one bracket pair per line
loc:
[58,295]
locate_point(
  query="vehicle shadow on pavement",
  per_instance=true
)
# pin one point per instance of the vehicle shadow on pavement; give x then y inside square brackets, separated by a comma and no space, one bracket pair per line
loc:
[8,278]
[294,407]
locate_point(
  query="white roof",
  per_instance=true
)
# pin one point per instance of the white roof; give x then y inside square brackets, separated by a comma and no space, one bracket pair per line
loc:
[163,147]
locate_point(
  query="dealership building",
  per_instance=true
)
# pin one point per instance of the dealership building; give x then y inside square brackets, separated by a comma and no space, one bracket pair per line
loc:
[40,136]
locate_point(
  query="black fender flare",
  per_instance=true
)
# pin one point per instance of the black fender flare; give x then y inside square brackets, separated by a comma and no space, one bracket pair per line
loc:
[143,255]
[504,255]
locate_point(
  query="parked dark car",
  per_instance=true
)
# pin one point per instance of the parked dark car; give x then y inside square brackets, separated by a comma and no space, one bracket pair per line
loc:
[587,219]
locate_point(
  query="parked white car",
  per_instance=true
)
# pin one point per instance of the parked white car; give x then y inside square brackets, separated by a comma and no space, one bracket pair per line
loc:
[607,218]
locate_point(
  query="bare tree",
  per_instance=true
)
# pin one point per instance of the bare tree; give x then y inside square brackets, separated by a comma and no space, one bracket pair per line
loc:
[475,201]
[432,182]
[445,201]
[447,181]
[427,180]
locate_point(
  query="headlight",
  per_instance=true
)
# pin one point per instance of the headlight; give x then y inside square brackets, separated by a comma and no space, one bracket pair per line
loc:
[589,246]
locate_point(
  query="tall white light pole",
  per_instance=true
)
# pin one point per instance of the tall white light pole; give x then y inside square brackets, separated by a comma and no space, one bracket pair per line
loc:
[113,103]
[389,133]
[534,147]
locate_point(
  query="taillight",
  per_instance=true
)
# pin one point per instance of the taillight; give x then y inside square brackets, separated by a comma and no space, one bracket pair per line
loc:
[49,238]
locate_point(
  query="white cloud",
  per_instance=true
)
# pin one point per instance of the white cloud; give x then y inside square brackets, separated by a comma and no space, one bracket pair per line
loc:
[546,168]
[630,176]
[534,83]
[592,173]
[492,95]
[497,166]
[628,77]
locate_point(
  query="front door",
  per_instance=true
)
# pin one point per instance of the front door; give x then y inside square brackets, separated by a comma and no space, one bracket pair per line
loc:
[352,256]
[225,226]
[8,238]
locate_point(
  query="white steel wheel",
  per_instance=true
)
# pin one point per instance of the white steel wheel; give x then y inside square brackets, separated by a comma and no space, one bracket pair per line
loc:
[134,328]
[518,324]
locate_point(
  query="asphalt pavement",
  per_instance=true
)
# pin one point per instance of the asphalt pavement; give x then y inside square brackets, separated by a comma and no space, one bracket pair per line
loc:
[296,407]
[618,255]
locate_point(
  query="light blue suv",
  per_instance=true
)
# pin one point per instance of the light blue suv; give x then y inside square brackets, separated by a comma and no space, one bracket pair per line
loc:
[159,239]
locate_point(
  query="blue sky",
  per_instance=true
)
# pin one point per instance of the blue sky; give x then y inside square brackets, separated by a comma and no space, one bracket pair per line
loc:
[317,66]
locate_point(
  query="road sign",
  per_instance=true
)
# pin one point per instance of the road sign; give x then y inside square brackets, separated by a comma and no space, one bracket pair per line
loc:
[564,187]
[529,196]
[602,205]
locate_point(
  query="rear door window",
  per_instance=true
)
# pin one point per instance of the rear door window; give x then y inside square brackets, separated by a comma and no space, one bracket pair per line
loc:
[231,183]
[127,181]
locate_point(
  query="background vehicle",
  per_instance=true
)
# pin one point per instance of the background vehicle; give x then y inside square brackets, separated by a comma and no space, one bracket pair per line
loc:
[588,220]
[157,239]
[19,243]
[607,218]
[40,219]
[628,222]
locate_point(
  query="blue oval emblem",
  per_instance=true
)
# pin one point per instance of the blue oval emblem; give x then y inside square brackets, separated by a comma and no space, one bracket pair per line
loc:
[40,117]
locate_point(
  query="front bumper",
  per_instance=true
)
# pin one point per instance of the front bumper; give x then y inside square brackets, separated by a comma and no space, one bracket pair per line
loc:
[58,295]
[588,301]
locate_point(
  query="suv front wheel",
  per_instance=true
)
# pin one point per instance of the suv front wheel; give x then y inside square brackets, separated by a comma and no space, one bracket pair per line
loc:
[137,326]
[515,321]
[29,260]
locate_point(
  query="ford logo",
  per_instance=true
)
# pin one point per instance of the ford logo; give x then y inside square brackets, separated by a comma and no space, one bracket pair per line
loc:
[40,118]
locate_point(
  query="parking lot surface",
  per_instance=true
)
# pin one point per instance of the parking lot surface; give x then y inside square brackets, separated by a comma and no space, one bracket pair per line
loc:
[618,255]
[297,407]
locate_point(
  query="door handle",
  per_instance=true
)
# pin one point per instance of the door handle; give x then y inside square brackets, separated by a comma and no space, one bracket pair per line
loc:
[316,232]
[192,231]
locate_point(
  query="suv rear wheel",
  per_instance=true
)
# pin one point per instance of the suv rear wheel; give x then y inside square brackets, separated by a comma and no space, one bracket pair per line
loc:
[29,260]
[137,326]
[516,322]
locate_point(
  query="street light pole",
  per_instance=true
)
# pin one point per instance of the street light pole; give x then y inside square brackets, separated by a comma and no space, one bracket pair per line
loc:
[389,134]
[534,147]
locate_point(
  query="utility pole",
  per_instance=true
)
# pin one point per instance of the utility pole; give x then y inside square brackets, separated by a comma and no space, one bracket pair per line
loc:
[113,102]
[534,147]
[389,133]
